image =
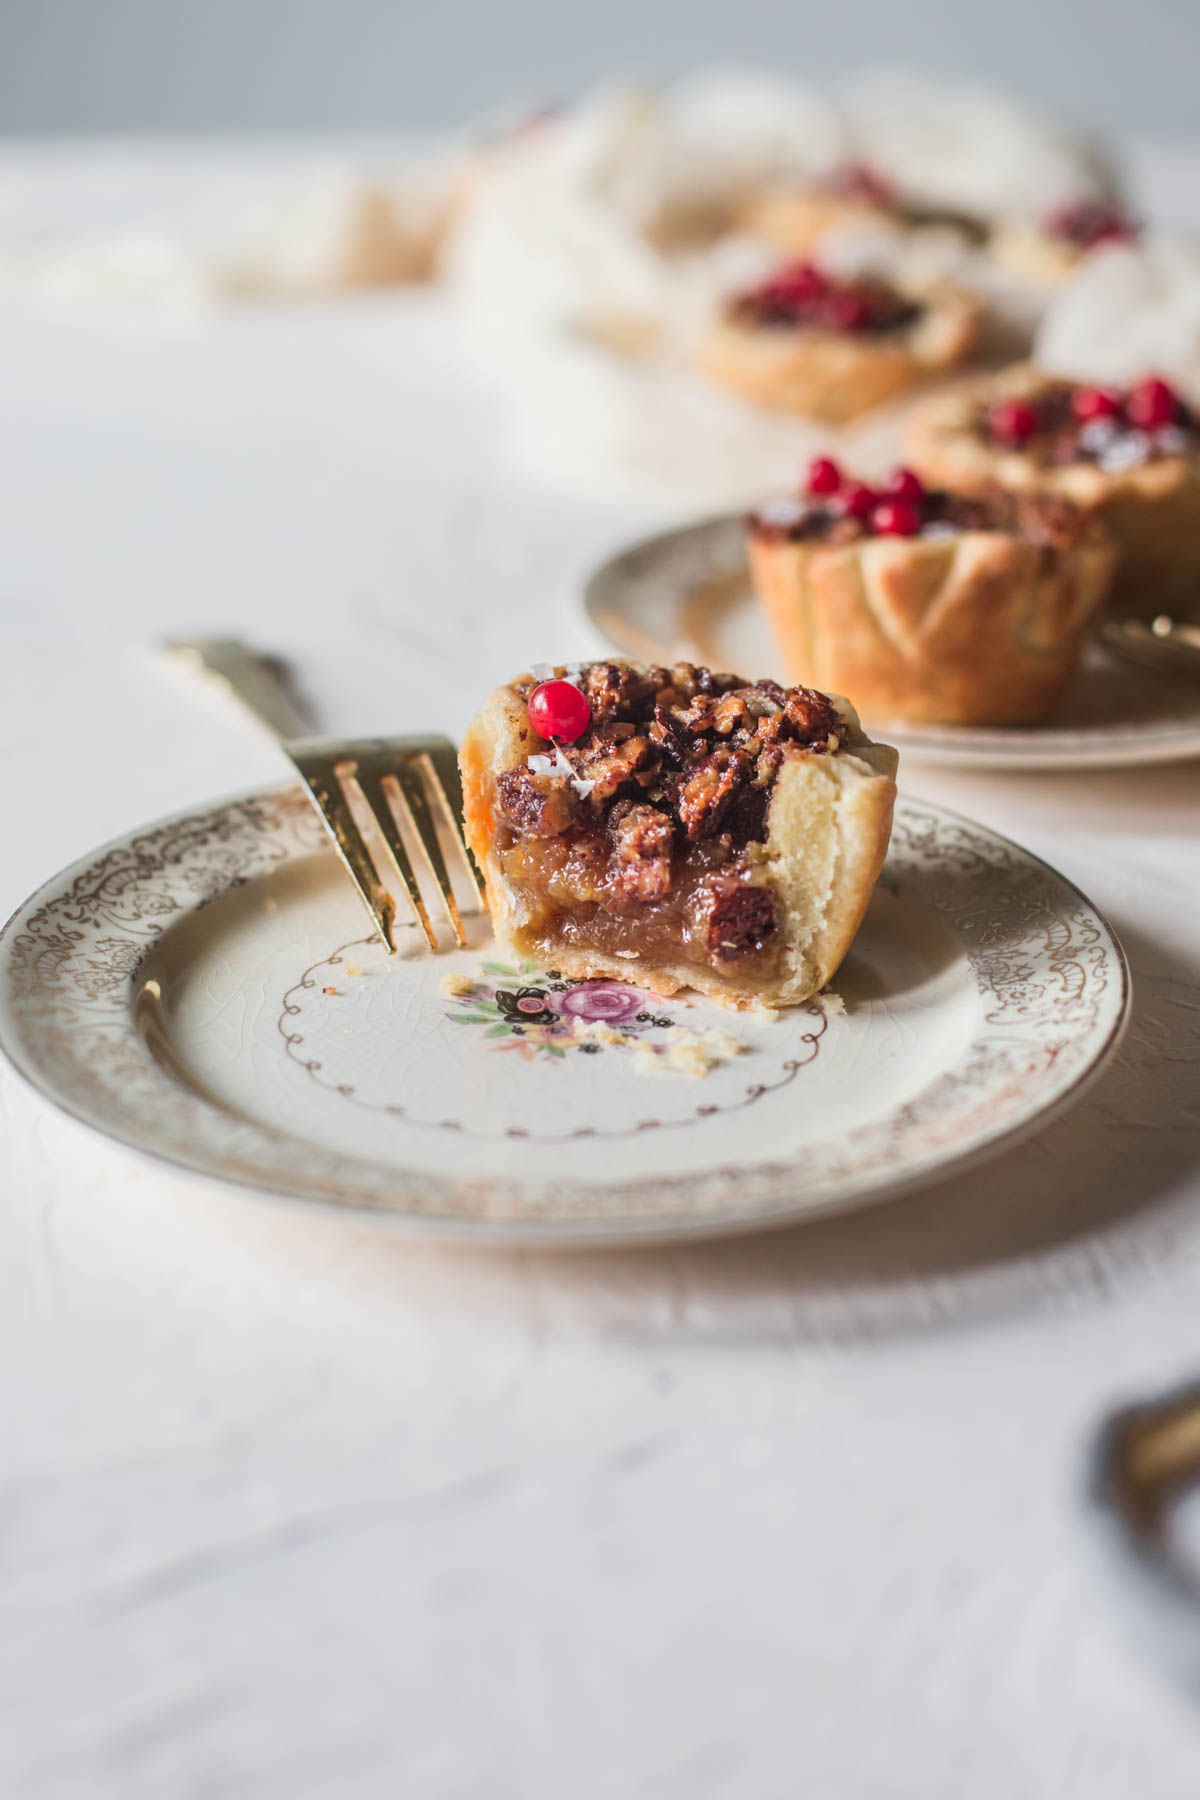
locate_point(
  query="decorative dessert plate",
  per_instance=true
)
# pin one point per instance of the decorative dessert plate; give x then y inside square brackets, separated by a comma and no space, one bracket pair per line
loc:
[687,593]
[204,991]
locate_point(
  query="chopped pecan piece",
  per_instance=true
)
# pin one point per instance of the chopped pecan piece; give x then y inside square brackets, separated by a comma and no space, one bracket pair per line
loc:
[770,760]
[639,868]
[813,717]
[615,692]
[613,766]
[688,681]
[732,916]
[731,711]
[699,715]
[707,794]
[670,736]
[746,820]
[536,805]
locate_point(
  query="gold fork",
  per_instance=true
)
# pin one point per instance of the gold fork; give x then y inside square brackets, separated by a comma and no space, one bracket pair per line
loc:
[406,785]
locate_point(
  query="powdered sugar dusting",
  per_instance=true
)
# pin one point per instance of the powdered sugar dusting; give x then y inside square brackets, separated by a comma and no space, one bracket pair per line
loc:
[1128,451]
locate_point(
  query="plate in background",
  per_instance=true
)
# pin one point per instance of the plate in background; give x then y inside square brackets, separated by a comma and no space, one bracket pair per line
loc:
[686,593]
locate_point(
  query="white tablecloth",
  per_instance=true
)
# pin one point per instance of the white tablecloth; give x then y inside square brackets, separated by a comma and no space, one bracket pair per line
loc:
[293,1509]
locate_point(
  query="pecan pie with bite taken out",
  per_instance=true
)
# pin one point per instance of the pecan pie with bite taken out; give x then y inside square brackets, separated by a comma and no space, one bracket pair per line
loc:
[806,341]
[1132,455]
[677,828]
[926,605]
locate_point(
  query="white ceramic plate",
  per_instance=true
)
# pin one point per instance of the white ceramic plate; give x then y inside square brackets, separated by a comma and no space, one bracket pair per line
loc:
[687,593]
[204,991]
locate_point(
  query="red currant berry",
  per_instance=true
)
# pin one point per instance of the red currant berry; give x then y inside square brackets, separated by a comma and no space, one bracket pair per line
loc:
[902,484]
[859,181]
[1089,223]
[848,311]
[856,500]
[1013,421]
[896,518]
[1096,403]
[1115,227]
[799,285]
[1152,403]
[558,709]
[823,477]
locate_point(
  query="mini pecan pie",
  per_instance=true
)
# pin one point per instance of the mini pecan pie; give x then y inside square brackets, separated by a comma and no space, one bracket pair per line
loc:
[796,218]
[807,342]
[698,831]
[1047,251]
[1131,454]
[925,605]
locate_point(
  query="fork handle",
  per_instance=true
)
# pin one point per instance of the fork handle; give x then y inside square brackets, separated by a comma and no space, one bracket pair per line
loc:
[256,680]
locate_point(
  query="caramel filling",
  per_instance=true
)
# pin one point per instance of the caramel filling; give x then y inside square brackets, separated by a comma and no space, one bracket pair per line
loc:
[712,915]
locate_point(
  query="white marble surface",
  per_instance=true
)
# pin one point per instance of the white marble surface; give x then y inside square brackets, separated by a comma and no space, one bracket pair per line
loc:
[291,1509]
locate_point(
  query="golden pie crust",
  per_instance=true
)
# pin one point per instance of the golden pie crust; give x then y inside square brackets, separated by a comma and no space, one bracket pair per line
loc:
[983,628]
[836,375]
[1152,511]
[828,827]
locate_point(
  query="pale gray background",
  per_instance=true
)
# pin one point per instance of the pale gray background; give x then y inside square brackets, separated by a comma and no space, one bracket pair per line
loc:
[282,65]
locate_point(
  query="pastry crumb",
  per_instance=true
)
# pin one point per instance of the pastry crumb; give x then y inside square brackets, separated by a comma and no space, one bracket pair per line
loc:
[689,1052]
[831,1004]
[353,969]
[598,1033]
[455,983]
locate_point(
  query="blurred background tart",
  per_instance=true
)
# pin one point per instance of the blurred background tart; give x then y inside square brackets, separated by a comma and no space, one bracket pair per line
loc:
[1131,454]
[927,605]
[810,342]
[795,218]
[1046,252]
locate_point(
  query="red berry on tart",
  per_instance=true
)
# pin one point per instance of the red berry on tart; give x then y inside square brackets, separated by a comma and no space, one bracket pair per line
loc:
[807,341]
[1086,224]
[931,606]
[1045,251]
[854,500]
[902,484]
[896,518]
[1012,421]
[1132,454]
[1096,403]
[703,831]
[559,709]
[824,476]
[1152,404]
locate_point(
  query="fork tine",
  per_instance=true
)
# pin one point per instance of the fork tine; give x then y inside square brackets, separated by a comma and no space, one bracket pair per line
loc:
[376,790]
[408,790]
[441,759]
[321,778]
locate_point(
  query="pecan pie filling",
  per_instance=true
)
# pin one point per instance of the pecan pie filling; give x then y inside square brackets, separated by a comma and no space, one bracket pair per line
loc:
[644,835]
[1061,423]
[802,295]
[835,509]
